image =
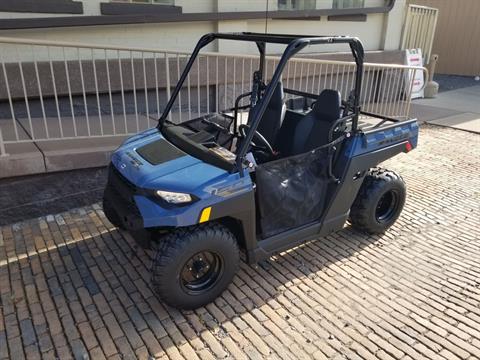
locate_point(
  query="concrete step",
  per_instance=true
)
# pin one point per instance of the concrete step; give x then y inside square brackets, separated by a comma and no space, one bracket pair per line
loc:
[465,121]
[57,155]
[63,155]
[37,154]
[22,159]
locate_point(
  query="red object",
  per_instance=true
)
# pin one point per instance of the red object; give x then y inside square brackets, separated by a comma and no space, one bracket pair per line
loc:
[408,146]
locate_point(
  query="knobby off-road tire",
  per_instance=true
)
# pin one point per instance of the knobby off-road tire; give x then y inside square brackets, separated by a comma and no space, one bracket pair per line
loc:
[379,201]
[195,265]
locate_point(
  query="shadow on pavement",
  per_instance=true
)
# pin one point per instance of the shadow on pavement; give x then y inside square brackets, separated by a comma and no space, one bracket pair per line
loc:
[82,259]
[33,196]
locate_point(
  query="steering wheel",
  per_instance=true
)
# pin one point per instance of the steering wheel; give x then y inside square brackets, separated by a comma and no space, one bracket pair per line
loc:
[260,142]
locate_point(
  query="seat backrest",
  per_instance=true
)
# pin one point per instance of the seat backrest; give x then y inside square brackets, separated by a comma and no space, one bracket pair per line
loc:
[312,131]
[273,116]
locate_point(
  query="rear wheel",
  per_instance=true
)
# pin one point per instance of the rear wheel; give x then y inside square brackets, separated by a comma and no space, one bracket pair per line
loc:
[379,201]
[195,265]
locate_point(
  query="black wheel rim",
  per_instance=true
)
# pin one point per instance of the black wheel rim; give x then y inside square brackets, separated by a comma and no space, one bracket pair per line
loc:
[201,272]
[387,207]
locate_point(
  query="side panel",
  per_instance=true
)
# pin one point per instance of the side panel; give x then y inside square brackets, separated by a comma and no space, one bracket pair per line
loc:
[361,153]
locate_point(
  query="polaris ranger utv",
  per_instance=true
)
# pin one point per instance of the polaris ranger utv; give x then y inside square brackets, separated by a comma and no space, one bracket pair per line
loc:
[202,189]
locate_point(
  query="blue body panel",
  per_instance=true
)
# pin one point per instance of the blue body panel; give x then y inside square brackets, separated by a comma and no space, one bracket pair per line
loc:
[185,174]
[212,185]
[384,137]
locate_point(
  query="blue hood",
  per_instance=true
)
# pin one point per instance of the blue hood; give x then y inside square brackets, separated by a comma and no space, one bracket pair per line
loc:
[180,172]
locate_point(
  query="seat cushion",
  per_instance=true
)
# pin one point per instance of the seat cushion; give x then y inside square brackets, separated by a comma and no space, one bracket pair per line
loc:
[328,106]
[312,131]
[273,116]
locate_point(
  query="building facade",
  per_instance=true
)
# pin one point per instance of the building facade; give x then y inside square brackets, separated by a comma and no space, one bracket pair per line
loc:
[177,24]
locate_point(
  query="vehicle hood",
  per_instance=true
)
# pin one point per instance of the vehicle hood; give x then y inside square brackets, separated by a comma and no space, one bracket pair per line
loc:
[149,161]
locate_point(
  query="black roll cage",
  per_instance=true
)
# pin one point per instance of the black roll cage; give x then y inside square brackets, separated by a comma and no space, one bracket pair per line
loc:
[295,43]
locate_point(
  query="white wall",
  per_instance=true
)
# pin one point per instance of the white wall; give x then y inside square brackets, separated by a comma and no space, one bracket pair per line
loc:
[195,6]
[393,26]
[369,32]
[246,5]
[92,7]
[172,36]
[380,31]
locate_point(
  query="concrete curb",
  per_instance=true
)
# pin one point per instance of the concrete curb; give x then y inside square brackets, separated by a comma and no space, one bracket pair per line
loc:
[59,155]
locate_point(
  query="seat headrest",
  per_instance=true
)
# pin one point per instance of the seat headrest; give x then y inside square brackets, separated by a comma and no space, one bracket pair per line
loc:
[277,97]
[328,105]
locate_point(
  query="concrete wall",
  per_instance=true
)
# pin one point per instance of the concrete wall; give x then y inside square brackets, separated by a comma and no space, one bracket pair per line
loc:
[171,36]
[364,30]
[378,32]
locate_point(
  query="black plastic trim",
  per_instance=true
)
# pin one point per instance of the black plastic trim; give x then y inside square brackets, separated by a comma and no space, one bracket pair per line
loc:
[43,6]
[115,8]
[242,209]
[159,151]
[173,135]
[350,17]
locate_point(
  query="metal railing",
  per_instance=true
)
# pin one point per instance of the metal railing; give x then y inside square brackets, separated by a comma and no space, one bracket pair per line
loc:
[419,30]
[63,91]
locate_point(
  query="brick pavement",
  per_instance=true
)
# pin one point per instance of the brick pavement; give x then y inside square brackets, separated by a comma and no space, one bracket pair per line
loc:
[72,285]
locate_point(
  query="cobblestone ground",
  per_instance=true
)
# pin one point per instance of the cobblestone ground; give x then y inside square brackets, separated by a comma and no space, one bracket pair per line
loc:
[74,286]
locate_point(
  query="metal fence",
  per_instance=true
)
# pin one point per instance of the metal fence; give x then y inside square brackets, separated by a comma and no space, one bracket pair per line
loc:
[55,91]
[419,30]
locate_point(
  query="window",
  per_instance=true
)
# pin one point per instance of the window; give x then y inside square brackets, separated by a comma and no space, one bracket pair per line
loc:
[161,2]
[312,4]
[346,4]
[296,4]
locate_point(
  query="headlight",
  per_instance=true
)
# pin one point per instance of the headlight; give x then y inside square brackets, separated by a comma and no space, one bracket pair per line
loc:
[174,197]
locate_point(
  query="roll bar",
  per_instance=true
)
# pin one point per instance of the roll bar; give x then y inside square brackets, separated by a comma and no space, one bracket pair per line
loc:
[295,43]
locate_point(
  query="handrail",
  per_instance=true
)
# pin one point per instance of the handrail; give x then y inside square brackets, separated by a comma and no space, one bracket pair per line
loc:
[25,41]
[81,90]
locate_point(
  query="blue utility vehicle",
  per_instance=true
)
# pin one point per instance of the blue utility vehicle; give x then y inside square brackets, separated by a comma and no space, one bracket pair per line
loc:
[202,190]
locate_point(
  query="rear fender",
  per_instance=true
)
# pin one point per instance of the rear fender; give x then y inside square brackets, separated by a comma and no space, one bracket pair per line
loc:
[364,151]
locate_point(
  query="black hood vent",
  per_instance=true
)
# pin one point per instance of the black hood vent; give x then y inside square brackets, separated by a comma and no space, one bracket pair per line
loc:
[159,151]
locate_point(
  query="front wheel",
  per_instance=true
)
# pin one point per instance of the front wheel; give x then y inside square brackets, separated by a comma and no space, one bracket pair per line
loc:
[379,201]
[195,265]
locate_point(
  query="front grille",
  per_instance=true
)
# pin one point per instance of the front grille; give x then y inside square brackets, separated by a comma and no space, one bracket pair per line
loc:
[122,189]
[117,176]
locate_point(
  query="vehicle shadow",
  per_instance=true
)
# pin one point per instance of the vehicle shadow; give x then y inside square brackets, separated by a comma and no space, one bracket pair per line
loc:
[285,285]
[96,273]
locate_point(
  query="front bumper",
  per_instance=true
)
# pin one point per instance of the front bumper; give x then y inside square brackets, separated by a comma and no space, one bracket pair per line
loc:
[119,197]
